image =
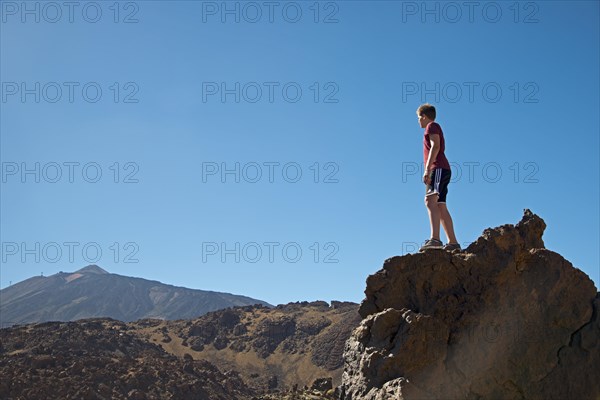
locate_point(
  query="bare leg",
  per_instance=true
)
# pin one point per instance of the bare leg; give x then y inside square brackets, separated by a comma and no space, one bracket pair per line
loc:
[447,223]
[434,215]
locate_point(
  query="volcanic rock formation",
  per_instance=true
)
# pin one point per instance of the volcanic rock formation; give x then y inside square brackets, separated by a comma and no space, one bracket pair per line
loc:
[505,318]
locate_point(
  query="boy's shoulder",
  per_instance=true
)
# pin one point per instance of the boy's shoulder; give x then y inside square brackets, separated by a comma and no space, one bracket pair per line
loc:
[433,127]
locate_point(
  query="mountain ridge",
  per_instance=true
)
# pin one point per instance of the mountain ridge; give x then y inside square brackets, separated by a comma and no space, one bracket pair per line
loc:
[94,292]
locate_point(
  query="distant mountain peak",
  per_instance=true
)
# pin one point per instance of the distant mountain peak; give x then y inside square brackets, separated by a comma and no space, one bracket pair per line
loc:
[91,269]
[93,292]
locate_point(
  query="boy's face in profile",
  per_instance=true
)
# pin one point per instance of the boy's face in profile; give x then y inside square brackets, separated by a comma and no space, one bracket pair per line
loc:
[423,120]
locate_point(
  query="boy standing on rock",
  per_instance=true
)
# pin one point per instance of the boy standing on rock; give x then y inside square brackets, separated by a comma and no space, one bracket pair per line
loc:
[436,178]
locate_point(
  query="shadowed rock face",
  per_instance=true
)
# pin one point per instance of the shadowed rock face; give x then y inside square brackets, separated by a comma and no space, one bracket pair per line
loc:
[505,318]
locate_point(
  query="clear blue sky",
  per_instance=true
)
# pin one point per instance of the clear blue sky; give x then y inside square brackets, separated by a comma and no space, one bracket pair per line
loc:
[515,85]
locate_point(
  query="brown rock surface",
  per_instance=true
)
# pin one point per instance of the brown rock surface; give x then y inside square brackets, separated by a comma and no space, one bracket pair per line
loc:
[505,318]
[272,348]
[235,353]
[102,359]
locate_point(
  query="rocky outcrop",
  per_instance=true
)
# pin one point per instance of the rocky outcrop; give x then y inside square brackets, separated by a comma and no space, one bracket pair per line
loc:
[505,318]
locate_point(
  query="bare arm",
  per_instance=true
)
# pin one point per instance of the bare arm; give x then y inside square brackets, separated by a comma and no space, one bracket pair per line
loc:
[434,141]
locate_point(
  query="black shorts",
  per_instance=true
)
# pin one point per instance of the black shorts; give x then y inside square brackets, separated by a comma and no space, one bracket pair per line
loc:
[439,180]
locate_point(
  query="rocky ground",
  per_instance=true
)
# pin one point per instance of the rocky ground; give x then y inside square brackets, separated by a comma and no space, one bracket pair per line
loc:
[290,351]
[300,395]
[103,359]
[273,348]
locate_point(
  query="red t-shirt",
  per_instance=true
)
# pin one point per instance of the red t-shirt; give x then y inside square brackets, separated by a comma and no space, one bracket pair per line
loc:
[433,128]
